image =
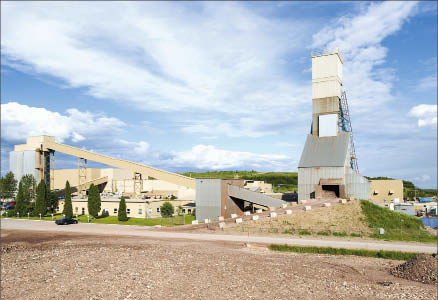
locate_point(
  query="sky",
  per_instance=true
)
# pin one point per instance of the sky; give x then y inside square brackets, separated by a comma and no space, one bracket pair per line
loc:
[194,86]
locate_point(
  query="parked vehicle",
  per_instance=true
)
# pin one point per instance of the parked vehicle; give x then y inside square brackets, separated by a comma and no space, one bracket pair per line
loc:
[9,207]
[66,221]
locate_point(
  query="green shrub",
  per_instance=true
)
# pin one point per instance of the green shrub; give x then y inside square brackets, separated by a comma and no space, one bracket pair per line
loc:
[339,234]
[325,233]
[68,208]
[121,214]
[355,235]
[305,232]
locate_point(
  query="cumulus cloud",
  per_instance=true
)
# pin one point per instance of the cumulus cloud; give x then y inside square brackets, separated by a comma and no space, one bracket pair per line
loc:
[211,158]
[426,83]
[359,38]
[426,114]
[422,178]
[20,121]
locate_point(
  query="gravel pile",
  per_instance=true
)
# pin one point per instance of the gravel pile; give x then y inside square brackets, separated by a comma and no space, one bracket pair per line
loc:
[422,268]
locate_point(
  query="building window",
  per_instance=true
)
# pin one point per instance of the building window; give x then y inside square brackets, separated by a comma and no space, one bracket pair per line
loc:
[128,211]
[184,211]
[189,211]
[57,208]
[140,211]
[115,210]
[83,210]
[150,210]
[158,209]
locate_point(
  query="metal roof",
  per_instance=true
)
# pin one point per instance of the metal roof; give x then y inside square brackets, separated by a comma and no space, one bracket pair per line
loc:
[325,151]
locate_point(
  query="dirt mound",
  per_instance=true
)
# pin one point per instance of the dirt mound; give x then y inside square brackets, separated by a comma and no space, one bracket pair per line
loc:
[422,268]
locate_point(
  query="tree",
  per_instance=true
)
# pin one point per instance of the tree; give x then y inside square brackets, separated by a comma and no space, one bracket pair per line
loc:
[179,210]
[52,201]
[121,214]
[29,186]
[41,201]
[20,205]
[68,208]
[167,209]
[8,186]
[94,201]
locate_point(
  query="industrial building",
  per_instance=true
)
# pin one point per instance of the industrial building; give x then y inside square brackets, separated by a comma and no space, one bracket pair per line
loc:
[328,164]
[386,191]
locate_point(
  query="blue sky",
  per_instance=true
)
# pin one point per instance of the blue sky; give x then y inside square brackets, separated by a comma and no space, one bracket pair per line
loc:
[219,85]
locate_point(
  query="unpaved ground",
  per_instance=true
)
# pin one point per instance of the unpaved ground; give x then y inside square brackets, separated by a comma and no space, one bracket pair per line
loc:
[61,265]
[347,218]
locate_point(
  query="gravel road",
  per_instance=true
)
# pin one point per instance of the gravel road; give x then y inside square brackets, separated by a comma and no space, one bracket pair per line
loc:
[154,233]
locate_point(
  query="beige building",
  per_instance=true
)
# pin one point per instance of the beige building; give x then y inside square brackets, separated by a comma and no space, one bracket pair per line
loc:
[135,208]
[385,191]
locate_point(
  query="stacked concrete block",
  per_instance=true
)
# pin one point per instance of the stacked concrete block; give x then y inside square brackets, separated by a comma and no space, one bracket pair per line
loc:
[326,204]
[342,201]
[306,208]
[284,205]
[273,214]
[254,218]
[288,212]
[239,220]
[303,201]
[221,218]
[259,211]
[233,216]
[206,221]
[247,213]
[195,222]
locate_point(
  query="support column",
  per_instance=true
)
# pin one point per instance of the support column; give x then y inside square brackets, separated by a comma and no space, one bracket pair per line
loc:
[52,170]
[82,175]
[138,184]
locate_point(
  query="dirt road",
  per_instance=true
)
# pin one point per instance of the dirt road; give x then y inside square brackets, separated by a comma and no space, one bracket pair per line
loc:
[142,231]
[66,265]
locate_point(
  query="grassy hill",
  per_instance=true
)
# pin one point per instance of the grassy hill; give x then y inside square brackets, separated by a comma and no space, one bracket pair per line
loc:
[281,181]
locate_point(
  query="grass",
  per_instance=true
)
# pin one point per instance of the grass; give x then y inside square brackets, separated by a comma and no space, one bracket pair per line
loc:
[325,233]
[339,233]
[305,232]
[173,221]
[396,255]
[355,235]
[398,226]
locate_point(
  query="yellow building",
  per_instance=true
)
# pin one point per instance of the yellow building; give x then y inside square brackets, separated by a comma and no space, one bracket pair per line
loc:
[385,191]
[135,208]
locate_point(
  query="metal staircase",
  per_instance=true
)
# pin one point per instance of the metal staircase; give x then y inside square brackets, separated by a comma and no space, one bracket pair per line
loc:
[345,125]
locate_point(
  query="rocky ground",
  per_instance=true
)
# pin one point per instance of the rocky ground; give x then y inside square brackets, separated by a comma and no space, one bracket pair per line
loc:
[49,265]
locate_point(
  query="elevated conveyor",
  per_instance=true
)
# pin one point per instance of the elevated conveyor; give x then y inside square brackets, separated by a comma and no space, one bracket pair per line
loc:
[253,197]
[86,185]
[48,144]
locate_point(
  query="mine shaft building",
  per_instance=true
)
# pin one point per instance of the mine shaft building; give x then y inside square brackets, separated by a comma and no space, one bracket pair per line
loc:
[328,164]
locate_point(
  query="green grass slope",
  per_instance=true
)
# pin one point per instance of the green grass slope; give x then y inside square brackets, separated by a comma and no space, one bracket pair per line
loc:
[398,226]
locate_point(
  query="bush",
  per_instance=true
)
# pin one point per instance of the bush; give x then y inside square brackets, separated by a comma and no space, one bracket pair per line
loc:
[325,233]
[121,214]
[68,208]
[194,212]
[167,209]
[40,202]
[94,202]
[305,232]
[105,213]
[339,234]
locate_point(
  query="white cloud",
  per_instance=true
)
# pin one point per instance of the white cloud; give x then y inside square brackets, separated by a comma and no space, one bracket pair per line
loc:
[157,56]
[139,148]
[426,114]
[20,121]
[211,158]
[359,38]
[427,83]
[422,178]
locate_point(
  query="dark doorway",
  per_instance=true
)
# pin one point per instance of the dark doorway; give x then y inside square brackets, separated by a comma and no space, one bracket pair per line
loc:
[332,188]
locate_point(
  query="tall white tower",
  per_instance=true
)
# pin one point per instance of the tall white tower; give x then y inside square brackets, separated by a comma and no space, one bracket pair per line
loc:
[328,163]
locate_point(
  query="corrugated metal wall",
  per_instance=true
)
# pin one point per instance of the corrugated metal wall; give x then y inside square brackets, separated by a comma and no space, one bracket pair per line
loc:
[357,186]
[22,163]
[208,198]
[308,177]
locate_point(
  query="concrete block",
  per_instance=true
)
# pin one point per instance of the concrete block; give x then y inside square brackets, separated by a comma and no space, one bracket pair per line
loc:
[306,208]
[284,205]
[302,201]
[221,225]
[247,213]
[221,218]
[326,204]
[206,221]
[239,220]
[195,222]
[288,212]
[342,201]
[259,211]
[254,218]
[351,199]
[294,203]
[272,209]
[273,214]
[233,216]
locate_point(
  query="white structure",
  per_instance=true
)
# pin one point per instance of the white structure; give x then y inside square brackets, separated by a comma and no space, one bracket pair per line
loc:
[328,165]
